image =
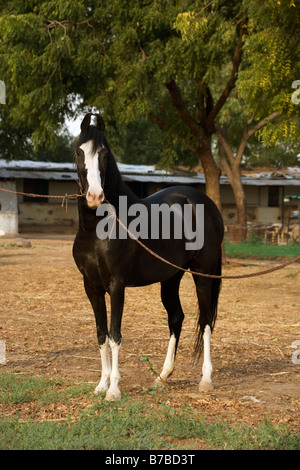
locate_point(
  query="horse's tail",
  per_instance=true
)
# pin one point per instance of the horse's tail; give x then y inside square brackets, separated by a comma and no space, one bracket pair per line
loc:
[208,308]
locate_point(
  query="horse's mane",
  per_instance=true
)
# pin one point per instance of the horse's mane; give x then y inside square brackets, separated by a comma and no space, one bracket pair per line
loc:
[91,133]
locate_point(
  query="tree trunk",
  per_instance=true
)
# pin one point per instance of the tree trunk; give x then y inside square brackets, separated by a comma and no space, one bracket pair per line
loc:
[231,166]
[240,198]
[234,176]
[212,174]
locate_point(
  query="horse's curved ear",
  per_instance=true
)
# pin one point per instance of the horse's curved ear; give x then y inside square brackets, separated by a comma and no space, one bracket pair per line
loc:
[85,122]
[100,123]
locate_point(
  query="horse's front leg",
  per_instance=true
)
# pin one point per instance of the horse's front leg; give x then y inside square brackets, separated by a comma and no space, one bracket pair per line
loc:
[115,337]
[106,367]
[96,296]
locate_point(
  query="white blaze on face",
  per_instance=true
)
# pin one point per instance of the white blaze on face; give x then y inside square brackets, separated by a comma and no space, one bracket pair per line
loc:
[95,194]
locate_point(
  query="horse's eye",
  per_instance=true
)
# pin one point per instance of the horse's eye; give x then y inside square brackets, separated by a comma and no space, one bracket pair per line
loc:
[103,152]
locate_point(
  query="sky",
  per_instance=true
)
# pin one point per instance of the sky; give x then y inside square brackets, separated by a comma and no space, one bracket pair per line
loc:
[73,126]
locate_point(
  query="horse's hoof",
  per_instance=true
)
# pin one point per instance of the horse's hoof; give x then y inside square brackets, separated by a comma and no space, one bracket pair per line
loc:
[205,386]
[158,384]
[101,388]
[114,395]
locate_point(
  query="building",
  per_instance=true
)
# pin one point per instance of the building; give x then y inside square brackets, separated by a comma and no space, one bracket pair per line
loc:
[265,194]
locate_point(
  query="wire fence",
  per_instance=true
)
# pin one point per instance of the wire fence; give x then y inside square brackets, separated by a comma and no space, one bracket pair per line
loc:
[271,234]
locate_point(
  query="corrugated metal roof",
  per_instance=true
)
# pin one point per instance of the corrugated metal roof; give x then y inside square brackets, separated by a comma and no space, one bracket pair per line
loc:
[33,165]
[140,173]
[164,179]
[35,174]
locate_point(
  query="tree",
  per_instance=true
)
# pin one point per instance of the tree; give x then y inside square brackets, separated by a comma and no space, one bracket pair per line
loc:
[141,142]
[130,59]
[175,63]
[271,66]
[49,52]
[231,163]
[264,88]
[172,71]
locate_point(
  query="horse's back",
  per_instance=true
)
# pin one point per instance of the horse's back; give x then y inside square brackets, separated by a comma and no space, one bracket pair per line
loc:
[190,195]
[180,194]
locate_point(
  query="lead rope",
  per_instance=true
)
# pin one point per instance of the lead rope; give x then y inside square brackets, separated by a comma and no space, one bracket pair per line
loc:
[64,198]
[211,276]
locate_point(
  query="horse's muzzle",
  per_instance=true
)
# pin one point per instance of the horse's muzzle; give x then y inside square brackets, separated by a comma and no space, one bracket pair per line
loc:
[94,200]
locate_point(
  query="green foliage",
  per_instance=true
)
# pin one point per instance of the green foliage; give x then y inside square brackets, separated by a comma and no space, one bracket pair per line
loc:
[40,49]
[118,56]
[271,64]
[140,142]
[16,144]
[15,389]
[280,155]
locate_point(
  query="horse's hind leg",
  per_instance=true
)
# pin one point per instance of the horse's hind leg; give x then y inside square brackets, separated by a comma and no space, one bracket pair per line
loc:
[205,326]
[207,293]
[171,302]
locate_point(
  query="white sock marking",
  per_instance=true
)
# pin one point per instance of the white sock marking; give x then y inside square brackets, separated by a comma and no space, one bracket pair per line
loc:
[207,368]
[168,366]
[113,392]
[106,368]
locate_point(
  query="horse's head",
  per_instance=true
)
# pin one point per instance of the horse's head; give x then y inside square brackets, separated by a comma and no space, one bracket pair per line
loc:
[91,159]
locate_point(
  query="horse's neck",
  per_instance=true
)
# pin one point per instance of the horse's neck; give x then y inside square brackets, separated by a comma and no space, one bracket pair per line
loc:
[115,187]
[87,217]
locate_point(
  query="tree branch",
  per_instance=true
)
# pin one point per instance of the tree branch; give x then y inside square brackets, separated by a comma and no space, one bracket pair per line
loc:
[65,23]
[164,127]
[157,120]
[224,163]
[182,109]
[200,103]
[262,123]
[237,58]
[225,146]
[242,145]
[236,160]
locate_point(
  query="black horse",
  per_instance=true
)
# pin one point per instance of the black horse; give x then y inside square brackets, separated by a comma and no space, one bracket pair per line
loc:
[111,262]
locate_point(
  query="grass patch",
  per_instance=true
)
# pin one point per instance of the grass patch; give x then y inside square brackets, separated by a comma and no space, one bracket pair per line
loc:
[255,247]
[221,435]
[125,425]
[16,389]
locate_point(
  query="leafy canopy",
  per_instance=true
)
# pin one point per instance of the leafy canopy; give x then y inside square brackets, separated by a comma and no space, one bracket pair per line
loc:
[271,65]
[115,55]
[60,57]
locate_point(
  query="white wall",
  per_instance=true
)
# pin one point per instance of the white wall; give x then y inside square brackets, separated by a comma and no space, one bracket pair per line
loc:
[8,210]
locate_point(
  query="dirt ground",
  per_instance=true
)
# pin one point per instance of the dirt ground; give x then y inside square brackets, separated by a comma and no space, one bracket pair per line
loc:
[48,326]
